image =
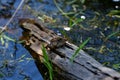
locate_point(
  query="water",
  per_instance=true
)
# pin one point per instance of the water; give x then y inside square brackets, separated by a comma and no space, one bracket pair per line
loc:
[16,63]
[97,24]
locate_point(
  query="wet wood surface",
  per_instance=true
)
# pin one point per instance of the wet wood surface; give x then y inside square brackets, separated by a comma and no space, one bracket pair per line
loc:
[84,67]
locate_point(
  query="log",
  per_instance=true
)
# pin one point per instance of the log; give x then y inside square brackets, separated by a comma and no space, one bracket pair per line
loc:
[60,51]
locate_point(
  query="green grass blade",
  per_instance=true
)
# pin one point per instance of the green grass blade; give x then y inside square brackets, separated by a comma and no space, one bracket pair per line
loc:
[2,40]
[112,34]
[45,53]
[79,48]
[8,38]
[76,22]
[22,41]
[47,62]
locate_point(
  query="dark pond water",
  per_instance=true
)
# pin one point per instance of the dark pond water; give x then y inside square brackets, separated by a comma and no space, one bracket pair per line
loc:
[93,18]
[16,63]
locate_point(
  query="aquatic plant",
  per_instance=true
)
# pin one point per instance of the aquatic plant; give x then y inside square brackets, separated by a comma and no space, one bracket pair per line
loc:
[111,35]
[79,48]
[47,62]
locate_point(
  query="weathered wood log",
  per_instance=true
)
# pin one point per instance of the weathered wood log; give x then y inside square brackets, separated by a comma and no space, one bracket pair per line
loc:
[84,67]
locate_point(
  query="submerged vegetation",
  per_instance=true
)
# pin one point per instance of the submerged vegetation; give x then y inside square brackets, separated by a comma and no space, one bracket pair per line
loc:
[9,61]
[77,20]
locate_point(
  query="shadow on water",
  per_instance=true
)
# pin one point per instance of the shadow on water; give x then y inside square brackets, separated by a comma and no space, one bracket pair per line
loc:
[98,23]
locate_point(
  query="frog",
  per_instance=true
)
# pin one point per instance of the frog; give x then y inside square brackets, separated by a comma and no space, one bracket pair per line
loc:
[40,32]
